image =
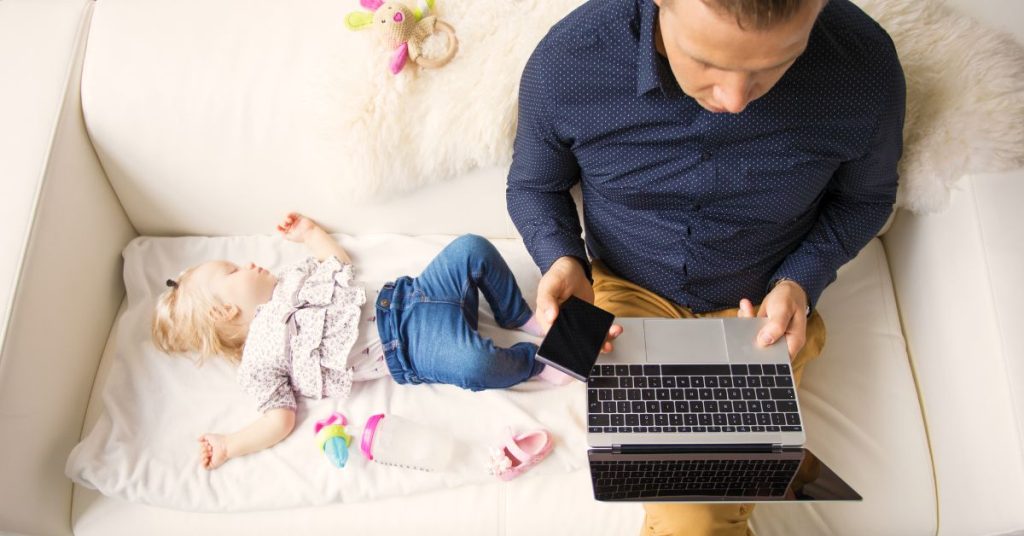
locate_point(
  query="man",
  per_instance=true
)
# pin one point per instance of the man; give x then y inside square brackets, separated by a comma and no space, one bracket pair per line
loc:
[729,152]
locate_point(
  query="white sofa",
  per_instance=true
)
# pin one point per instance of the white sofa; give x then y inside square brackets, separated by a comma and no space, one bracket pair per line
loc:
[918,400]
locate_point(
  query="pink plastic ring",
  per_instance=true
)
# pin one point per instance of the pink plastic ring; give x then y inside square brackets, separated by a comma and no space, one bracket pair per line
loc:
[368,432]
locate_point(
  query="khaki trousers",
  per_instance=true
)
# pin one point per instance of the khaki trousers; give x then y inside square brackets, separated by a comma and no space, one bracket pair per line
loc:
[625,299]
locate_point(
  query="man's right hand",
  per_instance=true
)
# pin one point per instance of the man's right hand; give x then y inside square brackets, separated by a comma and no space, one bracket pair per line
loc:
[566,278]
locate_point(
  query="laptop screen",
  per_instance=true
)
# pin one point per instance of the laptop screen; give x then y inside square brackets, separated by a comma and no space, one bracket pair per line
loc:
[787,475]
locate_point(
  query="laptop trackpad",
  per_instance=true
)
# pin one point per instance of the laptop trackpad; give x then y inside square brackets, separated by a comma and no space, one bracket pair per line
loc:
[696,340]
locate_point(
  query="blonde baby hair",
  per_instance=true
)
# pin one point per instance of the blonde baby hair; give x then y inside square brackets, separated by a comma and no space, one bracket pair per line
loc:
[185,320]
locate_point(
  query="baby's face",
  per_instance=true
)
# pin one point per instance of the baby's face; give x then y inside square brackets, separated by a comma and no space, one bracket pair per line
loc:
[245,287]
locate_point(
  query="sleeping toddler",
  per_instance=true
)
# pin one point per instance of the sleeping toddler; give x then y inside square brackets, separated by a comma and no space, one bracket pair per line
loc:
[310,330]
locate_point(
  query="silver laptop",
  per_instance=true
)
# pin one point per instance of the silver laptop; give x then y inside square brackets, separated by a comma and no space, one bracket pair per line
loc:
[693,410]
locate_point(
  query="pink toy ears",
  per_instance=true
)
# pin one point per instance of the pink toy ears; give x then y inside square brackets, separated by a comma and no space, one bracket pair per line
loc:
[372,5]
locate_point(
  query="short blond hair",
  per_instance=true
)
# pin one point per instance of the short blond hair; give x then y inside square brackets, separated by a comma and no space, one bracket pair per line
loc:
[185,321]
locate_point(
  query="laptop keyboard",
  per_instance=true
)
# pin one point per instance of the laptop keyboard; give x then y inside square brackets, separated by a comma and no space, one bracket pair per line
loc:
[691,398]
[628,479]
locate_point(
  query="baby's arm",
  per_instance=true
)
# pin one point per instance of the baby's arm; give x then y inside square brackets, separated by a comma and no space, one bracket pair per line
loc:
[298,228]
[265,432]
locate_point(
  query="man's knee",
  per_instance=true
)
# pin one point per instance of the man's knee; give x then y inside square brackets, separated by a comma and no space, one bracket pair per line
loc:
[690,519]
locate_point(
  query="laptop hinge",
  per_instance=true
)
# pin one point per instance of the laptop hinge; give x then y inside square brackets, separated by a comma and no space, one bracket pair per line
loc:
[668,449]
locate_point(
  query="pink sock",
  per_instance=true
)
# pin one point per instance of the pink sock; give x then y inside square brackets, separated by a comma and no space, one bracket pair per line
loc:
[532,327]
[554,376]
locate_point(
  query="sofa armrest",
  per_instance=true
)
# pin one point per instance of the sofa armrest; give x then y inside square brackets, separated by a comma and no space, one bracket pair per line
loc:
[61,276]
[957,276]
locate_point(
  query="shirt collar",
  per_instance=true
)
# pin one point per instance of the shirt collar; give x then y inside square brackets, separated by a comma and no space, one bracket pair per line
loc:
[651,67]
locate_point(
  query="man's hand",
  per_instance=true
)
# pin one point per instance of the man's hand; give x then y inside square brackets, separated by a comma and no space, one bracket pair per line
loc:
[566,278]
[785,307]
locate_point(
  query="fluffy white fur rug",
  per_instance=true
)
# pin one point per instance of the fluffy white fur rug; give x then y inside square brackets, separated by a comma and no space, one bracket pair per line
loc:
[965,93]
[965,98]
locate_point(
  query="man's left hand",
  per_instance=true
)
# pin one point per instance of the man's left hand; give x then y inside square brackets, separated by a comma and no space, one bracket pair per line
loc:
[785,307]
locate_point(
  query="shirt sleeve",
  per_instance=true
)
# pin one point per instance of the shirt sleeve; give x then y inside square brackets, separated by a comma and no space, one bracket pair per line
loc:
[542,172]
[262,373]
[857,202]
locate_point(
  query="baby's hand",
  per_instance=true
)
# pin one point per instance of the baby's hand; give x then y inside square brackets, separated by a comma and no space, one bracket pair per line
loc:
[296,227]
[213,450]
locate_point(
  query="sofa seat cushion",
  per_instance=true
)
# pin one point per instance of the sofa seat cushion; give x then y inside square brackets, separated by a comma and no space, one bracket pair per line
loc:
[859,400]
[863,415]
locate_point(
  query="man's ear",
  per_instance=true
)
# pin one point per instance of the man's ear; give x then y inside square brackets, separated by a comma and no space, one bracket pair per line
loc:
[226,313]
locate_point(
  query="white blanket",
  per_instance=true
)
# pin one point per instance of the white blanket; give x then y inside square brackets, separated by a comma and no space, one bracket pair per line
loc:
[144,446]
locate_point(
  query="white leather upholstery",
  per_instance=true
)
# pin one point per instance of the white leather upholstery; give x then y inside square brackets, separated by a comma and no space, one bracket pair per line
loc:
[958,282]
[67,292]
[956,277]
[40,60]
[211,118]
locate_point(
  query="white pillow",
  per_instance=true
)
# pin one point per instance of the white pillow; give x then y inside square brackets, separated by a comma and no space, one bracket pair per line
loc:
[144,446]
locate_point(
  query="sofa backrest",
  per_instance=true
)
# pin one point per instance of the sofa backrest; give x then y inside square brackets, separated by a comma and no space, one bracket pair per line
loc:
[216,117]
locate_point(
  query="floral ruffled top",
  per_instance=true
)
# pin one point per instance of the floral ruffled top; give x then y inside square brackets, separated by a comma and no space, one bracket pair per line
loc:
[312,338]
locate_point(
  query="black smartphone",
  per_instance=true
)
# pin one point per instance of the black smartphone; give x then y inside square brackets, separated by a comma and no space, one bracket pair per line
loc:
[574,341]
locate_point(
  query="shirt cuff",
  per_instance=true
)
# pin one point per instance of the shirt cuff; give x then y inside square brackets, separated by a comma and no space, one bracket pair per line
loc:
[808,273]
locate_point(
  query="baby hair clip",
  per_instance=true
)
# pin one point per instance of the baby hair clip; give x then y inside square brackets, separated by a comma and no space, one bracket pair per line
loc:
[172,283]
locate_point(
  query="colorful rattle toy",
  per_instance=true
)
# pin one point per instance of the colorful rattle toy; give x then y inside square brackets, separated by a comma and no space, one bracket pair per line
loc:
[404,29]
[332,438]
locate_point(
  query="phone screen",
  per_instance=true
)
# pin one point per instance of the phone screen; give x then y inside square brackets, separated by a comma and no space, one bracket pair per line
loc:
[573,343]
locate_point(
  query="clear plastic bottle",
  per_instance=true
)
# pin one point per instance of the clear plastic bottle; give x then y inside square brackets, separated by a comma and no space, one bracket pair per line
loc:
[395,440]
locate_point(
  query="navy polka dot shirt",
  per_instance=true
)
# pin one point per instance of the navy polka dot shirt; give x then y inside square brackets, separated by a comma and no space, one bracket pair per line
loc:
[703,208]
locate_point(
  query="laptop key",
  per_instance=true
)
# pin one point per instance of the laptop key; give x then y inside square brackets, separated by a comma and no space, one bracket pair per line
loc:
[735,419]
[636,370]
[725,381]
[719,394]
[622,407]
[739,381]
[725,406]
[607,370]
[754,369]
[675,419]
[619,394]
[683,382]
[654,429]
[734,394]
[786,405]
[632,420]
[661,419]
[654,382]
[647,420]
[626,382]
[668,382]
[621,370]
[682,407]
[604,394]
[754,406]
[690,419]
[602,382]
[591,395]
[667,407]
[754,381]
[719,419]
[742,428]
[784,381]
[651,406]
[696,407]
[639,429]
[768,381]
[711,381]
[647,394]
[691,394]
[714,428]
[738,369]
[763,419]
[782,369]
[594,407]
[783,394]
[728,428]
[791,428]
[772,428]
[705,419]
[768,369]
[763,393]
[749,419]
[608,407]
[638,406]
[700,429]
[704,394]
[652,370]
[793,418]
[598,420]
[670,429]
[748,394]
[594,429]
[778,419]
[697,381]
[633,394]
[677,394]
[739,406]
[640,382]
[769,406]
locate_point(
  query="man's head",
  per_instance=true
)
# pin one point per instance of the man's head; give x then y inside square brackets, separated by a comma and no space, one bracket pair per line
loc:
[727,53]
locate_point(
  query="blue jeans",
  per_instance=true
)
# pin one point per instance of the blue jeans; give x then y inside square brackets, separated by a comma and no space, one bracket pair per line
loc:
[428,324]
